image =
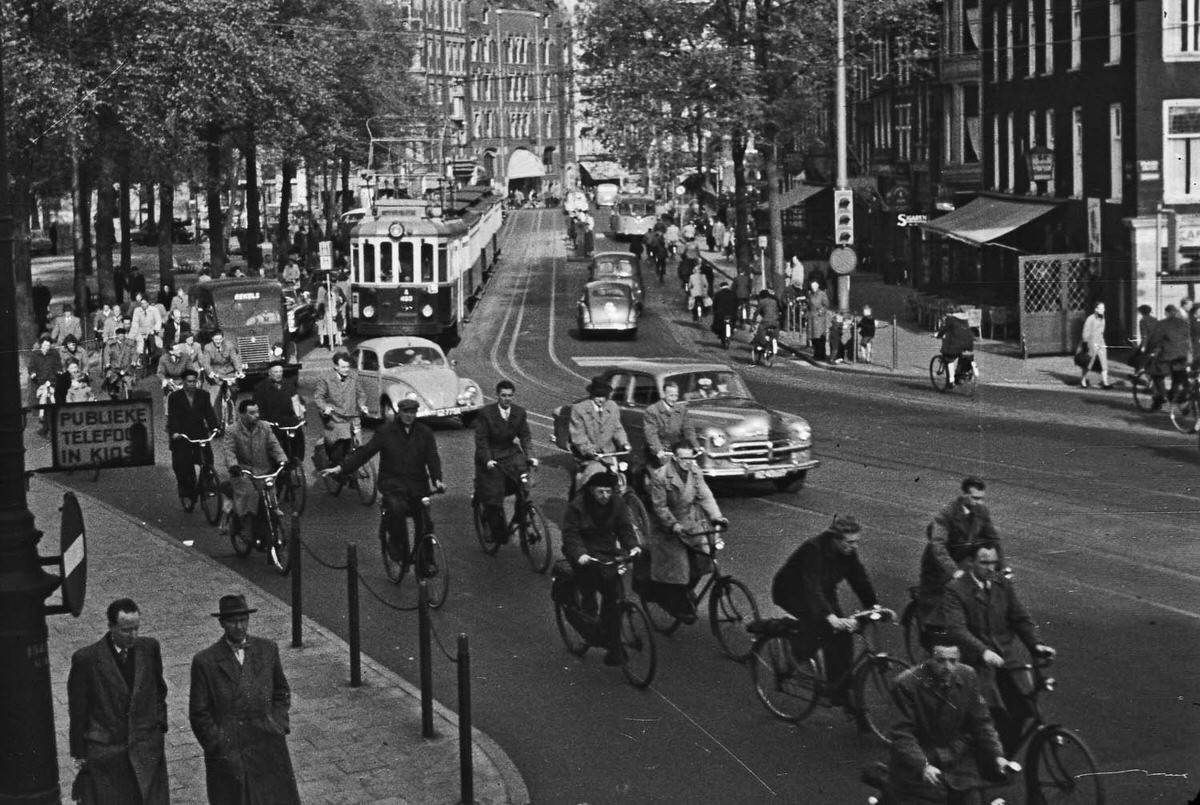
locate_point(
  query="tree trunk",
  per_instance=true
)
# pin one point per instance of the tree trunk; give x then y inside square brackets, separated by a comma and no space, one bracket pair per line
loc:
[82,188]
[253,214]
[343,204]
[770,154]
[147,201]
[743,218]
[165,237]
[212,189]
[27,331]
[282,241]
[126,228]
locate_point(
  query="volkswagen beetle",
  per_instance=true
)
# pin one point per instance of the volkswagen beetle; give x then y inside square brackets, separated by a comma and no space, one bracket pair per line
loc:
[606,306]
[395,368]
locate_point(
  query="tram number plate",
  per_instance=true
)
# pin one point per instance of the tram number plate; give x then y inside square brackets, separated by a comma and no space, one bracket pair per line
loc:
[773,473]
[406,297]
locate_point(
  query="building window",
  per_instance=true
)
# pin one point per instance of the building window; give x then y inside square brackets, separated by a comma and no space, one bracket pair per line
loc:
[1181,151]
[1031,139]
[1116,176]
[972,125]
[1077,152]
[1009,48]
[1030,38]
[994,72]
[904,131]
[1076,34]
[951,128]
[475,129]
[1048,44]
[1114,32]
[1181,29]
[1010,150]
[995,152]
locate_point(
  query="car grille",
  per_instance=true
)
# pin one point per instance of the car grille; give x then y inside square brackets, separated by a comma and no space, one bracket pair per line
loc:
[762,453]
[254,349]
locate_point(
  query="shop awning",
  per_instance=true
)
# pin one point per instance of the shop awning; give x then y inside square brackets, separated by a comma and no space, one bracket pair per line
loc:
[524,165]
[983,220]
[797,195]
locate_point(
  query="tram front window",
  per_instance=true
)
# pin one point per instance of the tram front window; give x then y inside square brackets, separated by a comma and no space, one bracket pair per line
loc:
[386,271]
[427,262]
[406,261]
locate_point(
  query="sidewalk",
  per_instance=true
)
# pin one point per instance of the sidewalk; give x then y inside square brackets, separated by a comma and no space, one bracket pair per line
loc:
[348,745]
[1000,362]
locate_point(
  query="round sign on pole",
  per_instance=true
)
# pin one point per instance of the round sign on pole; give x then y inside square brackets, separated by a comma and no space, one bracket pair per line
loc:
[73,544]
[843,260]
[680,190]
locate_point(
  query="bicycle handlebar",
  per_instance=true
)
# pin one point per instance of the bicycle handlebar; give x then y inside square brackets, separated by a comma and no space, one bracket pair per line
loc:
[601,456]
[880,615]
[205,440]
[269,476]
[288,428]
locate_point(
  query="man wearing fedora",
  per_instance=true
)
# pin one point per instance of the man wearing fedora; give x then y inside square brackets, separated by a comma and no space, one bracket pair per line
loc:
[595,428]
[238,707]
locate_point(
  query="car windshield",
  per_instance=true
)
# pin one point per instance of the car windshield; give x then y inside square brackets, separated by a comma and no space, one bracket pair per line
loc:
[613,268]
[242,306]
[709,384]
[413,356]
[609,292]
[635,208]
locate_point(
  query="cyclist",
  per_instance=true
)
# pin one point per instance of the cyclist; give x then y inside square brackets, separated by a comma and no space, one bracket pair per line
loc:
[724,307]
[45,364]
[595,428]
[985,619]
[597,527]
[679,500]
[958,345]
[222,363]
[741,290]
[503,448]
[1169,352]
[664,423]
[119,356]
[253,449]
[189,413]
[408,464]
[806,588]
[944,745]
[766,314]
[280,402]
[171,368]
[341,400]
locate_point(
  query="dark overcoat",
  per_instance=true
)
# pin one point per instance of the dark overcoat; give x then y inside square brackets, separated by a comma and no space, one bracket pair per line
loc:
[507,442]
[119,730]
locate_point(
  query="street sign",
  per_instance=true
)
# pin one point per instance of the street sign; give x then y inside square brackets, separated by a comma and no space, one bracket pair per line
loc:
[843,260]
[326,254]
[109,433]
[73,544]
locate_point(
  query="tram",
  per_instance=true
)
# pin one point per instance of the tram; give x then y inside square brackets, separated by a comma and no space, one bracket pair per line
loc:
[418,257]
[632,217]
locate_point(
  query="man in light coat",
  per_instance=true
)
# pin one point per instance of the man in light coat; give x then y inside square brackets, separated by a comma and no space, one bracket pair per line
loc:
[595,428]
[253,449]
[341,400]
[664,423]
[117,701]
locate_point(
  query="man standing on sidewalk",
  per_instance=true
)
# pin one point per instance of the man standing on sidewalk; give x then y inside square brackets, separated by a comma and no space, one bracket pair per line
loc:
[117,701]
[239,707]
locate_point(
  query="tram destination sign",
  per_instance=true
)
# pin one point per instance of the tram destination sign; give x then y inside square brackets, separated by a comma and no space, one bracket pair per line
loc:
[111,433]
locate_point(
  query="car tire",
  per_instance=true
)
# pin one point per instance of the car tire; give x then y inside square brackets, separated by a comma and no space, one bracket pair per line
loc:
[793,482]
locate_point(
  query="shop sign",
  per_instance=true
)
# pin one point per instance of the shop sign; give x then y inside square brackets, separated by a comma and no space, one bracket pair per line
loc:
[911,220]
[1040,162]
[1148,170]
[1187,232]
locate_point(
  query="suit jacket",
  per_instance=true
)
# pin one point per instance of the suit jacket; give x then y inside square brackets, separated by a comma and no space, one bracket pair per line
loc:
[596,432]
[663,426]
[978,620]
[239,714]
[496,439]
[806,585]
[117,729]
[678,498]
[196,419]
[408,462]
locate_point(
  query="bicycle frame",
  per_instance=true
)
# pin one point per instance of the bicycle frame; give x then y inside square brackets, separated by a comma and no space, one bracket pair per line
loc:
[714,545]
[290,431]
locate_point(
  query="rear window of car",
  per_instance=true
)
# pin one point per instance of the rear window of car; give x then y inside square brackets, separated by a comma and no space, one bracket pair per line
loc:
[413,356]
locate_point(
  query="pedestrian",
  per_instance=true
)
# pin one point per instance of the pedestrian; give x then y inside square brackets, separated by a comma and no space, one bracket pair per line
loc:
[841,334]
[719,231]
[818,320]
[698,299]
[117,706]
[1091,349]
[866,335]
[238,706]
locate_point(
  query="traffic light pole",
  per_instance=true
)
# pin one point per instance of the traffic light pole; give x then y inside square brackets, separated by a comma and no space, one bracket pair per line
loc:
[28,757]
[843,183]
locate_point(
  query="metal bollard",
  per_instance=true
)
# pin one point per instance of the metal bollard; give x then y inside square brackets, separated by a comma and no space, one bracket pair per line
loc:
[426,660]
[352,601]
[297,593]
[466,765]
[895,345]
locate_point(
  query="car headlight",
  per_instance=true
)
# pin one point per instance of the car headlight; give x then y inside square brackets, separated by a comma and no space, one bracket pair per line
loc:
[277,350]
[623,466]
[368,311]
[467,394]
[412,395]
[800,431]
[427,311]
[716,437]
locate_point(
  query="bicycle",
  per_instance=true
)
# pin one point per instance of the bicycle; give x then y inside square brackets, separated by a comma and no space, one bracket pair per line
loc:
[965,378]
[765,347]
[731,605]
[365,480]
[294,488]
[271,518]
[427,557]
[526,522]
[876,775]
[581,629]
[613,463]
[1185,406]
[208,485]
[1143,391]
[117,383]
[225,404]
[791,687]
[726,335]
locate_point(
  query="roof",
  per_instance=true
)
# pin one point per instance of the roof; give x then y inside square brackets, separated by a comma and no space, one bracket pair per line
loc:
[797,195]
[985,219]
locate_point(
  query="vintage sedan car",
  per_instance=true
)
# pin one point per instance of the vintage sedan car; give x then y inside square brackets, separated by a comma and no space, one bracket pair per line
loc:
[622,266]
[395,368]
[741,437]
[301,312]
[606,306]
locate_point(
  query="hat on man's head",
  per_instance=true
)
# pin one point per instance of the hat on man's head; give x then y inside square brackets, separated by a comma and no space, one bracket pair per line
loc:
[844,524]
[231,606]
[407,405]
[599,386]
[278,362]
[604,479]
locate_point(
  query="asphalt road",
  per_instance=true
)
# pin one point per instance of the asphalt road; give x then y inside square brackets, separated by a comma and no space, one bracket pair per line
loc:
[1097,510]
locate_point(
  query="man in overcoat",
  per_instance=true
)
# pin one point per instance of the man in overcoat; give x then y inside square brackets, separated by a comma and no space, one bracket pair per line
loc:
[595,428]
[503,449]
[189,413]
[664,423]
[960,525]
[117,701]
[238,706]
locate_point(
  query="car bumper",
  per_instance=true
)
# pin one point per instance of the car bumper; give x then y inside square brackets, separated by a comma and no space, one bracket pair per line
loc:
[759,473]
[747,461]
[614,327]
[453,410]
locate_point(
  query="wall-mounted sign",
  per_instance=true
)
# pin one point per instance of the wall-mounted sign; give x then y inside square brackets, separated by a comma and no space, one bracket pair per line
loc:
[1040,162]
[1148,170]
[109,433]
[911,220]
[1095,243]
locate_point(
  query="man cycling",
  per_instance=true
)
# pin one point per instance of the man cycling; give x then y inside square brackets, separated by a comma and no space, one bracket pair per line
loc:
[595,428]
[503,449]
[189,414]
[806,588]
[766,313]
[254,450]
[985,619]
[597,527]
[280,404]
[664,423]
[958,345]
[222,364]
[341,400]
[408,465]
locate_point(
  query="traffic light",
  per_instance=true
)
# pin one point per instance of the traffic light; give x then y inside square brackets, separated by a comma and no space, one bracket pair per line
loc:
[843,217]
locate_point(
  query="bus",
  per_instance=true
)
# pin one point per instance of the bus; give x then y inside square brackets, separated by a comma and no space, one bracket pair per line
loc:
[633,217]
[417,266]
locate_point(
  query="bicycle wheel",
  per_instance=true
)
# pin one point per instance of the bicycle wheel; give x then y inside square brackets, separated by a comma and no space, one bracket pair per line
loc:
[1183,414]
[242,543]
[637,644]
[638,515]
[487,542]
[367,489]
[938,375]
[187,502]
[536,542]
[876,710]
[786,686]
[571,639]
[731,608]
[663,621]
[209,491]
[432,568]
[1061,768]
[768,356]
[1143,391]
[911,621]
[294,490]
[392,568]
[280,550]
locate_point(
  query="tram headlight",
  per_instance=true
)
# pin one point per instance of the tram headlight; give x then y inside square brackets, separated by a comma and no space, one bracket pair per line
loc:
[427,310]
[368,311]
[395,229]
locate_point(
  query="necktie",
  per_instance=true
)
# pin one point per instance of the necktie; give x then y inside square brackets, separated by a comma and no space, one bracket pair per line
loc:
[122,656]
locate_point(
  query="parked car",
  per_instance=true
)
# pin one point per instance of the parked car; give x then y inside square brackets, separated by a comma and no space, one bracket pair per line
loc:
[621,266]
[401,367]
[606,306]
[740,437]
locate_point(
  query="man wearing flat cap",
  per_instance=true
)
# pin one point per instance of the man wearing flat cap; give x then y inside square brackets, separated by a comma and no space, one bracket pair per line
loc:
[239,712]
[595,428]
[806,587]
